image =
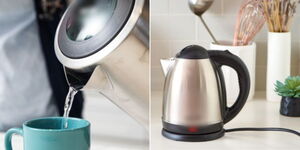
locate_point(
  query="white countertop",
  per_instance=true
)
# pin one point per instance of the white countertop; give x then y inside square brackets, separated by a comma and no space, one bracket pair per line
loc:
[114,130]
[111,128]
[256,113]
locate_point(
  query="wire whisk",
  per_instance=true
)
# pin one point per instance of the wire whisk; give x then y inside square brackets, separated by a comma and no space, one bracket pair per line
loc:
[249,22]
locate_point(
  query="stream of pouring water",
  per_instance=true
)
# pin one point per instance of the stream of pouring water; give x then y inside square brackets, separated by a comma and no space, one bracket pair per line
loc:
[68,105]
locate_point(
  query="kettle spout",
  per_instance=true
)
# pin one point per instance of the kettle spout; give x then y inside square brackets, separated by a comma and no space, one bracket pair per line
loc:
[166,63]
[94,79]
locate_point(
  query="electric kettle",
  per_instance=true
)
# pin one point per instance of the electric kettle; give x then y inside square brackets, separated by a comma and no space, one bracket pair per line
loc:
[194,98]
[103,45]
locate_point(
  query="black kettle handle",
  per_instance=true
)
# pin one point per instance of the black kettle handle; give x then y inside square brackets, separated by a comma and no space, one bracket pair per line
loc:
[221,58]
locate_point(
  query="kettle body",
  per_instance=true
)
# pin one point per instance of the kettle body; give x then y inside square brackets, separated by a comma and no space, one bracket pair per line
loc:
[104,46]
[194,98]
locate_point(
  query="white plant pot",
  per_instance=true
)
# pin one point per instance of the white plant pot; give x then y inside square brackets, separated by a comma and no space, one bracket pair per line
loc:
[248,55]
[279,61]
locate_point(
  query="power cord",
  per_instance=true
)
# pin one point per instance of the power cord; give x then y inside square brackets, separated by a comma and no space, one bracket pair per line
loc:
[263,129]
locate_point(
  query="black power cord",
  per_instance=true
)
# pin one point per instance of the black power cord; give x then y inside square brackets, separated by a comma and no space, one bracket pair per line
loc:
[263,129]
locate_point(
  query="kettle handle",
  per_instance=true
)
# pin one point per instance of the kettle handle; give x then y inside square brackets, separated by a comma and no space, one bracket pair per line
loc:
[221,58]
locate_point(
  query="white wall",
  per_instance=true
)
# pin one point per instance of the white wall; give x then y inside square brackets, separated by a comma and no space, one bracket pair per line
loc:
[173,27]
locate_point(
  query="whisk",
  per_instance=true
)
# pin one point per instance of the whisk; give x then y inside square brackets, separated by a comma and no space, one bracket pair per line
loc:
[249,22]
[279,14]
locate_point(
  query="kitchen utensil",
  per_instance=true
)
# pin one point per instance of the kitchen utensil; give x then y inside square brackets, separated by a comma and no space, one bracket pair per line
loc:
[279,14]
[249,22]
[48,134]
[103,45]
[194,98]
[199,7]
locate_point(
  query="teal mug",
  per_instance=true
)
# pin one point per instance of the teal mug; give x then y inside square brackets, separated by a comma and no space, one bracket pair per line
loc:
[49,134]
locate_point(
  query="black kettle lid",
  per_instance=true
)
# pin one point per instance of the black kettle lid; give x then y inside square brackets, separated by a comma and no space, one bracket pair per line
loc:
[193,52]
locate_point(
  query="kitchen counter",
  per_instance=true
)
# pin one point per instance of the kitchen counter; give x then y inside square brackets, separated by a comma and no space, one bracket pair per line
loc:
[111,128]
[256,113]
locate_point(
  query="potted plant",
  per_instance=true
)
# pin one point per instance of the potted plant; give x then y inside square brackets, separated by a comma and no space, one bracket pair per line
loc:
[290,92]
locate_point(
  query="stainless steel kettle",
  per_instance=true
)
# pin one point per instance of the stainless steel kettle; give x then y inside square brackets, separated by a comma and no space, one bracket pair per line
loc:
[103,45]
[194,98]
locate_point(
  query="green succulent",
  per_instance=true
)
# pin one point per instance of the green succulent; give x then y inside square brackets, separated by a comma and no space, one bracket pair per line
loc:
[290,88]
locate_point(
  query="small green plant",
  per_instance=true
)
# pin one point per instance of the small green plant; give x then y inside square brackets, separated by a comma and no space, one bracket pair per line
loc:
[290,88]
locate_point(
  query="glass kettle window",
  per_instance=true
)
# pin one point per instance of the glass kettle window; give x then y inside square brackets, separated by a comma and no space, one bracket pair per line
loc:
[89,18]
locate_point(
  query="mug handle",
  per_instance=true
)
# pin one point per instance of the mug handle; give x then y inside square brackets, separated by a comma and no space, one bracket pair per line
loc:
[8,136]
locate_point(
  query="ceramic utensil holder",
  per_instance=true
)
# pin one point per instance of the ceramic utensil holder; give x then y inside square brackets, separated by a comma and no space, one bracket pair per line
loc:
[248,55]
[279,61]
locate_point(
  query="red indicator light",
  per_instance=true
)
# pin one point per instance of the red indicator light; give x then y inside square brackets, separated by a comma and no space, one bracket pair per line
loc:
[193,129]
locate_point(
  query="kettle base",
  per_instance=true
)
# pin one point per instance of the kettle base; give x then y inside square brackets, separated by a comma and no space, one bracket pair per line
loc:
[193,137]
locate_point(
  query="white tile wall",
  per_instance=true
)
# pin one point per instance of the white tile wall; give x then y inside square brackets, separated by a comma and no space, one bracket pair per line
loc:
[173,27]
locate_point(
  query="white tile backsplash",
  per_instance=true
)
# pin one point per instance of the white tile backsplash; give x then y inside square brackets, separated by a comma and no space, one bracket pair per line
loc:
[159,6]
[295,28]
[261,53]
[174,27]
[179,7]
[157,78]
[231,6]
[222,26]
[295,54]
[160,27]
[177,46]
[159,50]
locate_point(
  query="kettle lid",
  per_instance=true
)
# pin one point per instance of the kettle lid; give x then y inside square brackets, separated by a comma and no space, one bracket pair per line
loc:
[193,52]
